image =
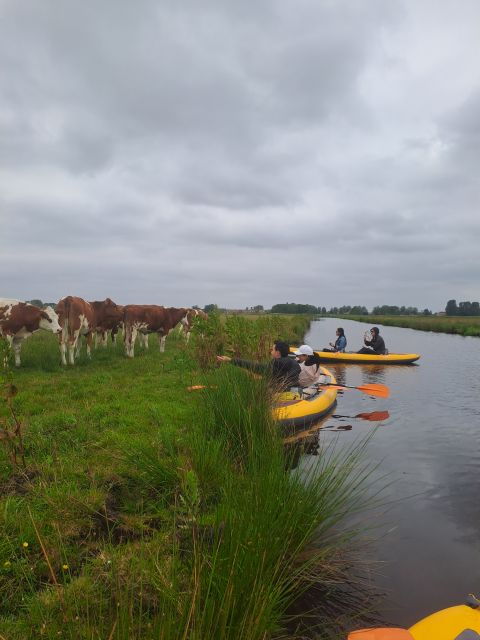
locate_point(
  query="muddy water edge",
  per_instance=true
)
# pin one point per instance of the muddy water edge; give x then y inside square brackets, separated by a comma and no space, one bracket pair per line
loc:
[428,536]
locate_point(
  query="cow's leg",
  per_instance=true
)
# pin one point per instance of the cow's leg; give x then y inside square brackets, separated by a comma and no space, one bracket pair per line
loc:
[17,346]
[96,339]
[63,337]
[144,337]
[88,340]
[74,346]
[130,336]
[187,336]
[78,343]
[162,342]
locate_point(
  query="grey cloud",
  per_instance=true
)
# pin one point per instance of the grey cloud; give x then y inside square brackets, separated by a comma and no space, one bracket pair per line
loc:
[224,151]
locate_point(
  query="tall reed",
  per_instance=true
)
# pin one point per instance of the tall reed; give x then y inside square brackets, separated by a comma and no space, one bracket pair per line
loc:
[258,554]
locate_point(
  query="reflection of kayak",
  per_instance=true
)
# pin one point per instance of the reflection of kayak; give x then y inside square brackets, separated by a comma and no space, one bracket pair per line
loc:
[292,410]
[455,623]
[365,358]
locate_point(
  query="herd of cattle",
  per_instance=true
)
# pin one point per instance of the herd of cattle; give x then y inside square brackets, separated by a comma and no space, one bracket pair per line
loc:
[74,317]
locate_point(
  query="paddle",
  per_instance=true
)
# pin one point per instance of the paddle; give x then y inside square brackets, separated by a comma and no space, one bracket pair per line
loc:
[374,416]
[380,390]
[197,387]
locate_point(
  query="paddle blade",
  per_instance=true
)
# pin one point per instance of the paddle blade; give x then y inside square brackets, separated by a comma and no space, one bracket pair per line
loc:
[374,416]
[381,634]
[380,390]
[197,387]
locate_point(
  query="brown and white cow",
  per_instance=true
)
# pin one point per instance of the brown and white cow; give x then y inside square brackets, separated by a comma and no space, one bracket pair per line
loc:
[145,319]
[108,318]
[76,317]
[18,320]
[192,316]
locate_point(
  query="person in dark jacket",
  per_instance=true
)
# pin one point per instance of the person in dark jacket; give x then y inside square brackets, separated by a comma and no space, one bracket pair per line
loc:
[282,370]
[375,345]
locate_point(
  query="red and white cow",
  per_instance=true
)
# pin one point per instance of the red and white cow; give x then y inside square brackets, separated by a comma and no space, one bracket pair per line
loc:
[76,317]
[108,318]
[145,319]
[18,320]
[192,316]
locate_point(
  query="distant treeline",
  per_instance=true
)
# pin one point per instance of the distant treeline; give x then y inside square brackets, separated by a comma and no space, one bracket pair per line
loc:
[463,309]
[355,310]
[39,303]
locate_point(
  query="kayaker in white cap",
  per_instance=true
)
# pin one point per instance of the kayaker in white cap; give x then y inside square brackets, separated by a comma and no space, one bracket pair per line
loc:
[310,372]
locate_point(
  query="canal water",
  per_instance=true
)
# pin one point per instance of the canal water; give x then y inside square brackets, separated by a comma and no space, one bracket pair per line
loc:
[428,540]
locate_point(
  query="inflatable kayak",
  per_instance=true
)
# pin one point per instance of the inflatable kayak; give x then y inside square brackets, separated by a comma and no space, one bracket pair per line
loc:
[455,623]
[366,358]
[291,409]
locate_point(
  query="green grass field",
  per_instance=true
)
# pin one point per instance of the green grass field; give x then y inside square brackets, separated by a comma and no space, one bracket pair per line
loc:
[465,326]
[144,511]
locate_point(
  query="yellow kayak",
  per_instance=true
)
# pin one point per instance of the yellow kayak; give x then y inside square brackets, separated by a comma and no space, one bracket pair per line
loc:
[292,410]
[455,623]
[366,358]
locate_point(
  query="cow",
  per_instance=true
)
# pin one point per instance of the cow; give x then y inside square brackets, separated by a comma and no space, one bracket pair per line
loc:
[108,318]
[76,317]
[18,320]
[192,316]
[145,319]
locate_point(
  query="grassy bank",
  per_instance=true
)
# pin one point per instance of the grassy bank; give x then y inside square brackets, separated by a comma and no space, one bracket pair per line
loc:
[142,511]
[464,326]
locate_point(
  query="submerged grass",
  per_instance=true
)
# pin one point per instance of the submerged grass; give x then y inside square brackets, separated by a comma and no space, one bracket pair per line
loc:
[145,512]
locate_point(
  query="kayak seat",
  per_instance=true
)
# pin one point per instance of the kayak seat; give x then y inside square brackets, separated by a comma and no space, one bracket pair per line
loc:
[468,634]
[381,634]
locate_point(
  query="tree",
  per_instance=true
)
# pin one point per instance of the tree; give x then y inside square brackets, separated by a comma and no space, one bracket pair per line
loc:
[451,309]
[208,308]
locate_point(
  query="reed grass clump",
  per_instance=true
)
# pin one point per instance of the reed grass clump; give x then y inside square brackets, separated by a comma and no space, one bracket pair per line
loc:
[244,335]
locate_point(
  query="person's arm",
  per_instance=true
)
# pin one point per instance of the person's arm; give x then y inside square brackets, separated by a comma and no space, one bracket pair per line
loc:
[258,367]
[246,364]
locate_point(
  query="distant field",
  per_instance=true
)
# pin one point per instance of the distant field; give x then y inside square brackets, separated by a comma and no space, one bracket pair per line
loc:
[465,326]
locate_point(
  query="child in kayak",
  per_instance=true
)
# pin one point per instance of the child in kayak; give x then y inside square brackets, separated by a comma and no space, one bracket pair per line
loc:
[374,343]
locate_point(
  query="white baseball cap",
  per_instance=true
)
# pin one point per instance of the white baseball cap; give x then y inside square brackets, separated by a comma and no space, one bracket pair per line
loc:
[304,350]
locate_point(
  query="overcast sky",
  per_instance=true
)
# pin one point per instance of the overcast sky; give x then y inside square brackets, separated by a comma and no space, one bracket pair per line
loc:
[240,152]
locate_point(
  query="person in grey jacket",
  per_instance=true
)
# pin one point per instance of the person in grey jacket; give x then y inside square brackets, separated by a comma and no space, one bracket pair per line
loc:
[282,370]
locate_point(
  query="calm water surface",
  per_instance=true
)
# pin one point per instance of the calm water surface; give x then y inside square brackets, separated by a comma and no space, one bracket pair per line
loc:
[430,449]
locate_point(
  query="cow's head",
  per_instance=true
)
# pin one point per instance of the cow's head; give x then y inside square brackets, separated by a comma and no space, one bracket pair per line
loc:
[49,320]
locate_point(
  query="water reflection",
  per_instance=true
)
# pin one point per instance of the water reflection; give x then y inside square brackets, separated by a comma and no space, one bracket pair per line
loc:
[431,451]
[373,372]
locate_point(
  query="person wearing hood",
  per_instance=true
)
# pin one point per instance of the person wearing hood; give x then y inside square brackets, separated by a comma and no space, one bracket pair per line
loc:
[374,343]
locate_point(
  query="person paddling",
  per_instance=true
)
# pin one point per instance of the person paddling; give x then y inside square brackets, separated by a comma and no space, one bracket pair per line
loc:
[340,343]
[282,370]
[374,342]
